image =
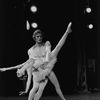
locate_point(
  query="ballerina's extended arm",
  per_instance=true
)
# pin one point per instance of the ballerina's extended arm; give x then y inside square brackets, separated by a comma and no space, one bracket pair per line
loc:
[15,67]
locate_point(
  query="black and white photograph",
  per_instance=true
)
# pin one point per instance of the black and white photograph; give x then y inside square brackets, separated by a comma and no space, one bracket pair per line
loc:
[49,50]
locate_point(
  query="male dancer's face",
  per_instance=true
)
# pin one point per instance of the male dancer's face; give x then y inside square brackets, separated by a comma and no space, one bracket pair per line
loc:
[38,38]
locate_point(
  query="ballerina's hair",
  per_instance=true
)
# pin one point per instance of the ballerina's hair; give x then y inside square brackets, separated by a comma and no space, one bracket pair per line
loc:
[37,32]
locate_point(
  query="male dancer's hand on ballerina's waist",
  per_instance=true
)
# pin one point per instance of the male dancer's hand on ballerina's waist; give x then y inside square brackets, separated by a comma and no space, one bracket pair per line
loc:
[44,64]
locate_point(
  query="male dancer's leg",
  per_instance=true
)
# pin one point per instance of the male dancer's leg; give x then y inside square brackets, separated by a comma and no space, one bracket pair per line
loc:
[55,82]
[33,91]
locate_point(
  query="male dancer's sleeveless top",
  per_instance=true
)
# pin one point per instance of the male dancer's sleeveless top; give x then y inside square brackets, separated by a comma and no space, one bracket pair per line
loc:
[39,54]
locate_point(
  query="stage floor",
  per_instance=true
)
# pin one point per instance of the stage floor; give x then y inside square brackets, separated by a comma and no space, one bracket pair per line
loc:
[90,96]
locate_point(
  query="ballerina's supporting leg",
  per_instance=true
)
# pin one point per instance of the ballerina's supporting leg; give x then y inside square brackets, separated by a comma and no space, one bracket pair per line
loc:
[55,82]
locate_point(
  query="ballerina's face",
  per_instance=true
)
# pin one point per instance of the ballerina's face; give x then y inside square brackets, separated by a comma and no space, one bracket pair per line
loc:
[38,38]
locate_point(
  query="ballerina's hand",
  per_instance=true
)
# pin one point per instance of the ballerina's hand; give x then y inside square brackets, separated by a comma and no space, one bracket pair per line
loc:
[22,92]
[3,69]
[69,28]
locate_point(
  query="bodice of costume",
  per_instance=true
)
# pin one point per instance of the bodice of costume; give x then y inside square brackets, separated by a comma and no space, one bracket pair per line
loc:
[37,52]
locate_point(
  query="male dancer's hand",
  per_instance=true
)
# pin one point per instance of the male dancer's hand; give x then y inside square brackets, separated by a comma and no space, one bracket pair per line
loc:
[45,63]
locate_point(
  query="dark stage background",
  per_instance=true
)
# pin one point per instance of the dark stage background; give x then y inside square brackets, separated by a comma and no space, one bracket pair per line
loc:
[52,18]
